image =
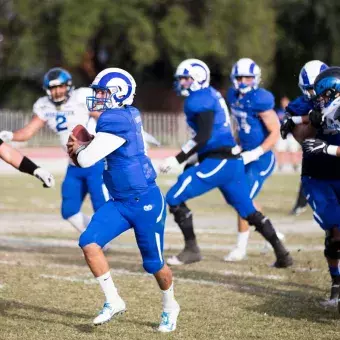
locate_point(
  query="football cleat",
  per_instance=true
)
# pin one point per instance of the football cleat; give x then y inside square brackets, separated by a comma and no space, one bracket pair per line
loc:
[169,320]
[186,256]
[236,254]
[109,311]
[329,303]
[283,261]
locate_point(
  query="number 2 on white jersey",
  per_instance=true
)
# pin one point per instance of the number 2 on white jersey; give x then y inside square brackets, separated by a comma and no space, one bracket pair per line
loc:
[61,123]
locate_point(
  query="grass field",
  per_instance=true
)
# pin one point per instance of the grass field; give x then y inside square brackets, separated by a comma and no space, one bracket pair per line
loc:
[47,291]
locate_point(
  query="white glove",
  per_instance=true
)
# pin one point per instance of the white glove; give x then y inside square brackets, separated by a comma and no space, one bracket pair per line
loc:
[252,155]
[46,177]
[168,164]
[6,136]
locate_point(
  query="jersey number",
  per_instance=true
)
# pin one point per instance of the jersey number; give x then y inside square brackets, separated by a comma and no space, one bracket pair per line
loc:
[61,123]
[226,111]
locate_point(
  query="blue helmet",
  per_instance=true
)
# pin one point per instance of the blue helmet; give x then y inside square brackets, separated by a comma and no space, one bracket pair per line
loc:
[327,86]
[55,77]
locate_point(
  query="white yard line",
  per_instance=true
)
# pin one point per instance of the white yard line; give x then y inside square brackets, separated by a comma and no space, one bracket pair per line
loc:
[251,274]
[35,242]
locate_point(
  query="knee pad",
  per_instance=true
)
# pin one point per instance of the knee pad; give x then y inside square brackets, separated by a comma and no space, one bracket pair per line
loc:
[182,214]
[262,224]
[332,248]
[152,267]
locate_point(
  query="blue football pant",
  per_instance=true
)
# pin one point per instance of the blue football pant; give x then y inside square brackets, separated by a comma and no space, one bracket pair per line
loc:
[258,171]
[77,183]
[324,198]
[228,175]
[144,213]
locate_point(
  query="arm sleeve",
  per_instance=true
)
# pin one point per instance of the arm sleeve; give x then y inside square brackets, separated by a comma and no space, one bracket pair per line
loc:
[102,145]
[204,122]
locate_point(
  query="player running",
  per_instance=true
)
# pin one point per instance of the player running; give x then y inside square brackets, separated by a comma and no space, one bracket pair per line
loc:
[137,201]
[61,110]
[258,132]
[320,170]
[24,164]
[220,164]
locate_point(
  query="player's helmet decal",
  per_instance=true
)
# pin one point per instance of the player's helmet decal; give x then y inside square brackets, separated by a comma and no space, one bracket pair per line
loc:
[119,87]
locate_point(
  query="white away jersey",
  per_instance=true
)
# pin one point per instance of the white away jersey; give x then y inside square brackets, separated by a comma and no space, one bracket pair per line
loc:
[62,119]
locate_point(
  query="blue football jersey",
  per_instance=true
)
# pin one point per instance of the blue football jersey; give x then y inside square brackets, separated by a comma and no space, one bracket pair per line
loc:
[210,100]
[128,170]
[300,106]
[246,109]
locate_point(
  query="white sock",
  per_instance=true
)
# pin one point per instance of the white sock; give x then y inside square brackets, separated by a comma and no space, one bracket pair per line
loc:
[169,301]
[79,221]
[108,287]
[242,240]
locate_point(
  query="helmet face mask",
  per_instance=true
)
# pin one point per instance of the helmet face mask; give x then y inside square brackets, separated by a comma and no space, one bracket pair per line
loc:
[57,84]
[113,88]
[245,75]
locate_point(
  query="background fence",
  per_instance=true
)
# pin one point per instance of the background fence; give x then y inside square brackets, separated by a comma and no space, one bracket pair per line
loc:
[169,128]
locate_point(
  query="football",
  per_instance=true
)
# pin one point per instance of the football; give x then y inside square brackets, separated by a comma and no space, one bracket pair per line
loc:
[83,137]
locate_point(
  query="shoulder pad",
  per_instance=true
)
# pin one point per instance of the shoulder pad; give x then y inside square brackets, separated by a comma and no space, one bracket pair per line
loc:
[263,100]
[113,121]
[299,106]
[200,102]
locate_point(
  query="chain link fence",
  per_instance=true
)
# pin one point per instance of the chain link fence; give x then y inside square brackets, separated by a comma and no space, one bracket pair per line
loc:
[169,128]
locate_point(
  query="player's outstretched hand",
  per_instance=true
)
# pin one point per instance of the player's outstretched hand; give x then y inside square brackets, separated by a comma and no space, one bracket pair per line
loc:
[314,146]
[316,118]
[6,136]
[287,125]
[168,164]
[45,176]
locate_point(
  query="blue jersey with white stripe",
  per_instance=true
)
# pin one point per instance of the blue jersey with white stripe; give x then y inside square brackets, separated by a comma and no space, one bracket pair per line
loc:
[207,100]
[128,170]
[246,108]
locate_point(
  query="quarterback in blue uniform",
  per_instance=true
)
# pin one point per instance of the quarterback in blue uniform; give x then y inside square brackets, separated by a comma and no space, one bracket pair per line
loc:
[220,164]
[320,170]
[136,199]
[61,110]
[258,130]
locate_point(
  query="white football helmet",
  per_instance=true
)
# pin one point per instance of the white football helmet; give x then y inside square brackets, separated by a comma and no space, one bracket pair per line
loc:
[245,67]
[308,74]
[195,69]
[120,89]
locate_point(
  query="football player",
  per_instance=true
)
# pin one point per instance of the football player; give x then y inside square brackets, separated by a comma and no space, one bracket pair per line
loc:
[220,164]
[137,201]
[61,110]
[311,115]
[258,132]
[323,193]
[24,164]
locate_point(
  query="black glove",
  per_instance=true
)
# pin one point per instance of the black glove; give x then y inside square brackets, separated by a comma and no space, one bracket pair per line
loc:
[287,125]
[314,146]
[316,118]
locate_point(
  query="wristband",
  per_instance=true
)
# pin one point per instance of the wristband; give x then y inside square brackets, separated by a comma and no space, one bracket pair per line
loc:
[27,166]
[332,149]
[297,120]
